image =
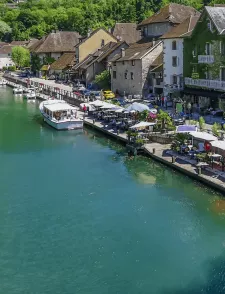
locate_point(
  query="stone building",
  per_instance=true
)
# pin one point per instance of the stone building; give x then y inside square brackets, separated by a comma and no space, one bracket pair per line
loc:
[130,68]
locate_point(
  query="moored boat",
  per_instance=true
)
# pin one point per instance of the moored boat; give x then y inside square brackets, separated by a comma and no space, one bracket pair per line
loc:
[30,95]
[3,82]
[18,90]
[60,115]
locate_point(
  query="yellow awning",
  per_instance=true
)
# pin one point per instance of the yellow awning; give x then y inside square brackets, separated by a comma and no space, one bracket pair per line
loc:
[45,67]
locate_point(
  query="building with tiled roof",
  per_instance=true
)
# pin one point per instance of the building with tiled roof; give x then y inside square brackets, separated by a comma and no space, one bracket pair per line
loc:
[97,62]
[126,32]
[55,44]
[130,68]
[165,19]
[92,42]
[6,56]
[173,55]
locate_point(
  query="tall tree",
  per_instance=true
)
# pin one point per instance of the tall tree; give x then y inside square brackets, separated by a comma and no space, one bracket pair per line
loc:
[20,56]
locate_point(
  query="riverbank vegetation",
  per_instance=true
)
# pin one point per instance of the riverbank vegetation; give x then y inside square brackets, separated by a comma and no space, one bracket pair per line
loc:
[36,18]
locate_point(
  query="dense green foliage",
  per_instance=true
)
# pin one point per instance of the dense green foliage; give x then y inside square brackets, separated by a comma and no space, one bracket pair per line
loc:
[103,80]
[35,18]
[20,56]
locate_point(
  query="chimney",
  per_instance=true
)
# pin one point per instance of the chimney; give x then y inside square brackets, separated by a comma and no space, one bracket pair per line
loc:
[110,30]
[122,52]
[153,42]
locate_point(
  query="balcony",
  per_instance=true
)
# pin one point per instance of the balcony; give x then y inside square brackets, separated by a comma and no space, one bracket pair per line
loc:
[205,59]
[208,84]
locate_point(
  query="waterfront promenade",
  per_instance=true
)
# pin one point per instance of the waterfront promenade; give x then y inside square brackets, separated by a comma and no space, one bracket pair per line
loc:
[161,152]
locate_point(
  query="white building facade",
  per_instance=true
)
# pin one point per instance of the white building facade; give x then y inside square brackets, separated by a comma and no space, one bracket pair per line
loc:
[172,65]
[6,56]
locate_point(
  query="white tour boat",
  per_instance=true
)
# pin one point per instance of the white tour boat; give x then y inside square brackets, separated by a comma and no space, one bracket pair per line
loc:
[18,90]
[60,115]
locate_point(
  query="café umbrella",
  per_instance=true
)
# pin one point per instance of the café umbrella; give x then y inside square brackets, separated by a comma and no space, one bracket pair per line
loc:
[137,107]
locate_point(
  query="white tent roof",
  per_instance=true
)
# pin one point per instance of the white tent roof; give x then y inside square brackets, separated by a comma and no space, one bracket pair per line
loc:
[142,124]
[98,103]
[218,144]
[137,107]
[108,106]
[120,110]
[203,136]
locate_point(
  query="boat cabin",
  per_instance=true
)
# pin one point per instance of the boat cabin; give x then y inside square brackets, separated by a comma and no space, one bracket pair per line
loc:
[60,111]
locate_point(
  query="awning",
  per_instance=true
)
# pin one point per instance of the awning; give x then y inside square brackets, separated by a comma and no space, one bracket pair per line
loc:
[186,129]
[45,67]
[142,124]
[203,136]
[98,103]
[203,93]
[218,144]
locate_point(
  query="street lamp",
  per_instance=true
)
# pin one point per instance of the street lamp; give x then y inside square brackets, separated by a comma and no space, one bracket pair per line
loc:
[189,108]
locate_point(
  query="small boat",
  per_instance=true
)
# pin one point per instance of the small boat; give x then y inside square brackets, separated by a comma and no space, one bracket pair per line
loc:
[60,115]
[30,95]
[18,90]
[28,90]
[3,82]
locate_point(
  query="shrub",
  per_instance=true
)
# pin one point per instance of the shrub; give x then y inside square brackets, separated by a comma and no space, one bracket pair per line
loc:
[4,68]
[201,122]
[12,68]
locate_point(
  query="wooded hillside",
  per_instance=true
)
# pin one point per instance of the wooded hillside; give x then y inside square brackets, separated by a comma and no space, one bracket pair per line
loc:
[35,18]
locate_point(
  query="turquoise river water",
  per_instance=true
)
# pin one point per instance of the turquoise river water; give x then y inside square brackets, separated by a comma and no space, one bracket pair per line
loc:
[77,216]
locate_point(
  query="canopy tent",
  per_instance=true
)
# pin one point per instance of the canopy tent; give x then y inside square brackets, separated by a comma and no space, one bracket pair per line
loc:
[218,144]
[137,107]
[119,110]
[203,136]
[186,129]
[142,124]
[108,106]
[114,109]
[98,103]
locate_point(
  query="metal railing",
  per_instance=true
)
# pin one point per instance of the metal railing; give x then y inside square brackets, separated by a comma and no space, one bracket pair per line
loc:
[209,84]
[205,58]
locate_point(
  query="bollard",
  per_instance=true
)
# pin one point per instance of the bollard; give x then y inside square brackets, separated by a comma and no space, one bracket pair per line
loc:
[173,159]
[199,170]
[93,121]
[153,150]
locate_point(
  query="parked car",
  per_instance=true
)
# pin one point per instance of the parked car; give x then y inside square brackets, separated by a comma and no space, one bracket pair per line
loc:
[178,120]
[108,94]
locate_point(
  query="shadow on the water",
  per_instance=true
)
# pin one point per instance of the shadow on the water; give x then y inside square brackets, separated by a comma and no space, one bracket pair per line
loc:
[215,281]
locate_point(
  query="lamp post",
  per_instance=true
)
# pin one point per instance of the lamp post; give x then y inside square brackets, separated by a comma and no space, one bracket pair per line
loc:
[189,108]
